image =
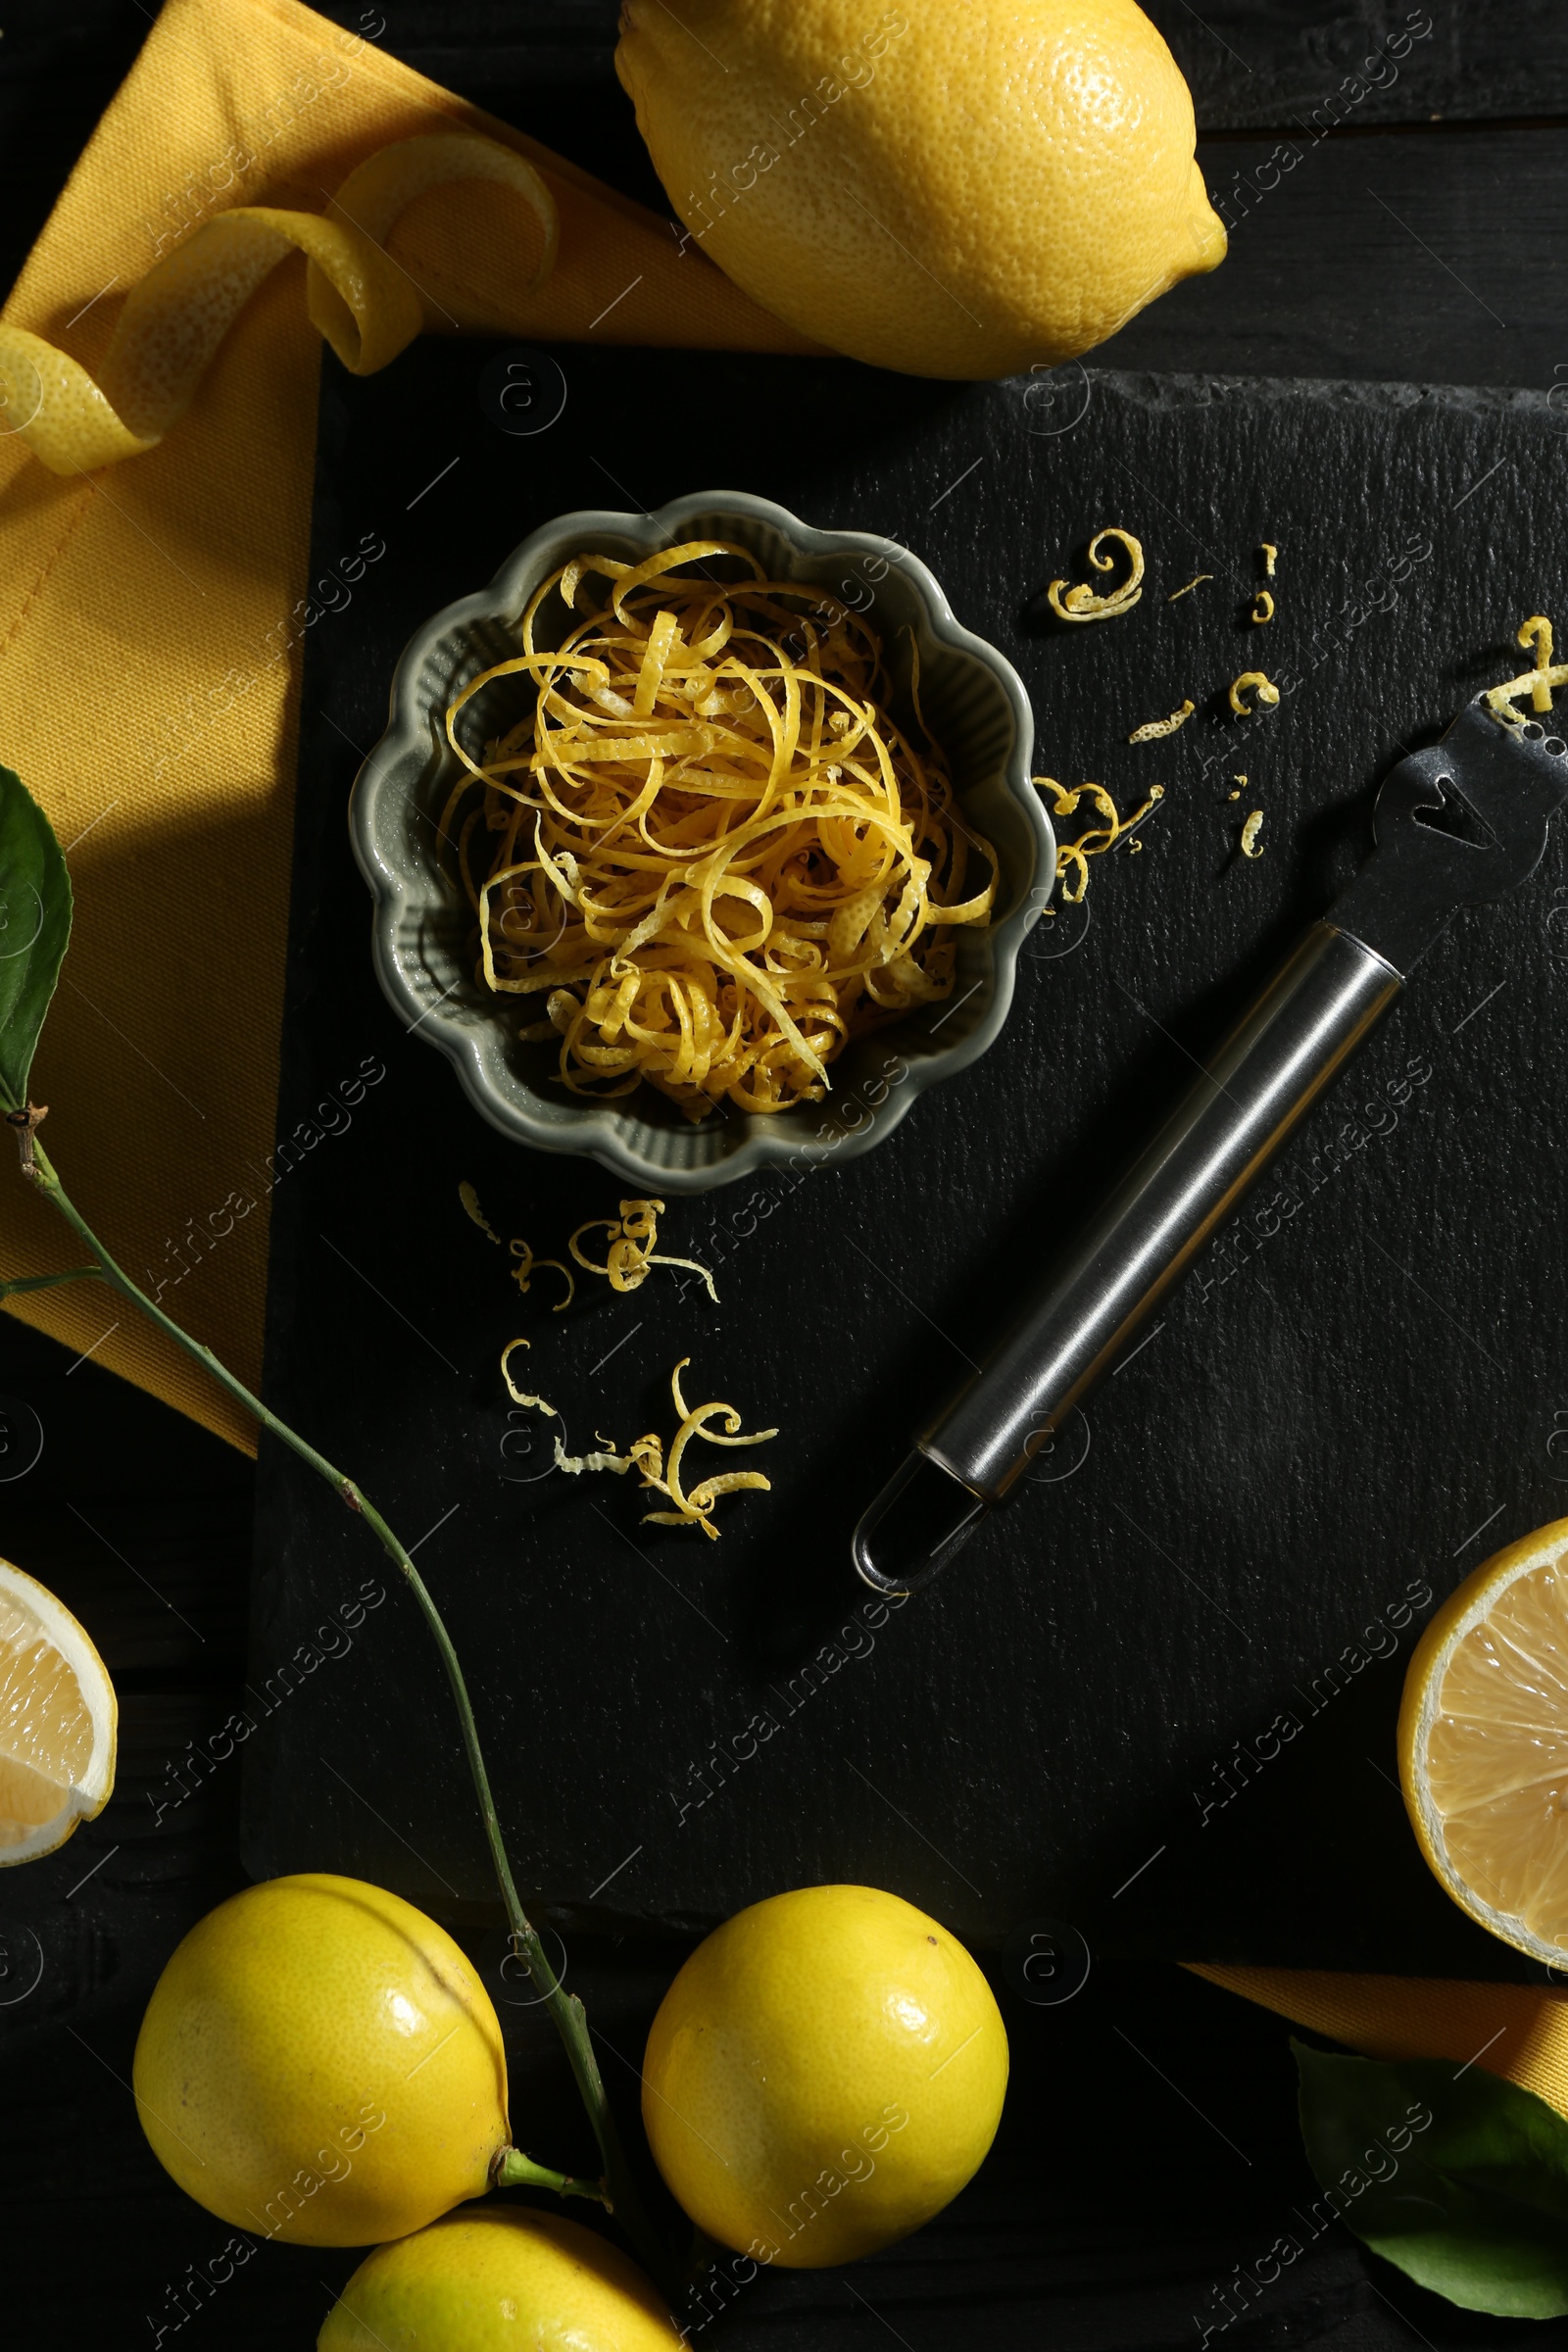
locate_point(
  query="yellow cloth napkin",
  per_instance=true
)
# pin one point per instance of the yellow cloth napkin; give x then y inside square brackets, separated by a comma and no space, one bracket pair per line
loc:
[149,643]
[1511,2030]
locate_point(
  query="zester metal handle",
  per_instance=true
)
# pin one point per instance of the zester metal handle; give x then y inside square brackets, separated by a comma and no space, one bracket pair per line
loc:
[1253,1091]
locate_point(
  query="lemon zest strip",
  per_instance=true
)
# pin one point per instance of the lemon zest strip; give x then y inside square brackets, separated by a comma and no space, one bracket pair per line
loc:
[1263,605]
[1250,833]
[1539,680]
[1266,693]
[1082,603]
[471,1201]
[1197,579]
[540,1403]
[1072,857]
[1153,728]
[1270,556]
[527,1266]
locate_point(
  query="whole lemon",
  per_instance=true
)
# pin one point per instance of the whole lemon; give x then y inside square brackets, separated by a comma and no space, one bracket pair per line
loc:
[967,188]
[498,2280]
[824,2074]
[318,2063]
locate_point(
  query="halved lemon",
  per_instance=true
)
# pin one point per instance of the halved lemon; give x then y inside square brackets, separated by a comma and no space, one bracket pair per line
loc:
[58,1719]
[1483,1743]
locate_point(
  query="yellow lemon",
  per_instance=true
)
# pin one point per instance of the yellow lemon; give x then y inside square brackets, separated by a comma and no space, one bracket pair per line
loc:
[1483,1743]
[966,188]
[318,2063]
[824,2074]
[58,1721]
[498,2280]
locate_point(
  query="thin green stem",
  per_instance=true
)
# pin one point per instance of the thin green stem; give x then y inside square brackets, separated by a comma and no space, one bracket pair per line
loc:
[624,2197]
[512,2169]
[49,1282]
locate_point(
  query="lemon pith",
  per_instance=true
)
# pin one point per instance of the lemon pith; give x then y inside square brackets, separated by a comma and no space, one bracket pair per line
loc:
[965,189]
[58,1721]
[320,2063]
[1483,1743]
[825,2074]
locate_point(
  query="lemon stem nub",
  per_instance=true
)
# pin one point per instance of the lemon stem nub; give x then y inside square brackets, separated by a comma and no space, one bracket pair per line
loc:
[512,2169]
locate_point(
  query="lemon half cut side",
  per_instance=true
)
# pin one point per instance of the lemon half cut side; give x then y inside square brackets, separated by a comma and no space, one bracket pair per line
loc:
[1483,1743]
[58,1721]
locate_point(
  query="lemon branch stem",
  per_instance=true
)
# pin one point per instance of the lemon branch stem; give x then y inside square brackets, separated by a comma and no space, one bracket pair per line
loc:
[512,2169]
[620,2192]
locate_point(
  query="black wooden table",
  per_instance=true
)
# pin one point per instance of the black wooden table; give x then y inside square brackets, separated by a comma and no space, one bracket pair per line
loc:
[1396,218]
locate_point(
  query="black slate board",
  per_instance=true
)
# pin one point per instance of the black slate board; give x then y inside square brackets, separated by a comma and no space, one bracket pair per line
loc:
[1325,1416]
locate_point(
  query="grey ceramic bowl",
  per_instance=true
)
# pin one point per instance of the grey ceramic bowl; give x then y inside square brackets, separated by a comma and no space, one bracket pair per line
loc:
[423,932]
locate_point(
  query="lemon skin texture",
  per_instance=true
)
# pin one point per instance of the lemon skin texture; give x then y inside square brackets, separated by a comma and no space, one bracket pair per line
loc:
[502,2280]
[320,2063]
[998,186]
[824,2073]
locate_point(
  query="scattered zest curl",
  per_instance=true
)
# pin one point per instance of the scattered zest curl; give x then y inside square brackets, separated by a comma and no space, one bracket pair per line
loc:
[1539,682]
[1266,693]
[1072,857]
[1153,728]
[1251,847]
[1084,602]
[629,1251]
[693,1505]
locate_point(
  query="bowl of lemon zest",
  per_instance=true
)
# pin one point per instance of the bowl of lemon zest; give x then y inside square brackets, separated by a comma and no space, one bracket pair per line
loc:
[701,863]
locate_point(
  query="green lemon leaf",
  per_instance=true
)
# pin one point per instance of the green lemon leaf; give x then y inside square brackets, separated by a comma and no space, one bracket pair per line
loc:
[1458,2179]
[35,927]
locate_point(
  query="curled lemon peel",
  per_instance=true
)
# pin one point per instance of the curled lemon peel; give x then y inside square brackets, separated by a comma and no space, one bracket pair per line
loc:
[711,848]
[1084,602]
[540,1404]
[1250,833]
[175,318]
[693,1508]
[1265,691]
[1195,581]
[1262,606]
[471,1201]
[1270,559]
[1072,857]
[1153,728]
[1537,682]
[527,1266]
[646,1455]
[629,1247]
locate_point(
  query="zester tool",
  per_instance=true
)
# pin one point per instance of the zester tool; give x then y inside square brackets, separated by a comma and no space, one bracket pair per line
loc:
[1459,823]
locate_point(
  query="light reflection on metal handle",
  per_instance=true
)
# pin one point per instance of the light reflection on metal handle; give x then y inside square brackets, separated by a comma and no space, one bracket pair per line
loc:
[1254,1090]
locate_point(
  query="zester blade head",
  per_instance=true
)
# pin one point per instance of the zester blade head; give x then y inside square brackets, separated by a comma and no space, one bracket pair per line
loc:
[1456,824]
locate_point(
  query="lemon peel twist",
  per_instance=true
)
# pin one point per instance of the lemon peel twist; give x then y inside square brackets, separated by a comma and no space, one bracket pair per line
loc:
[1155,728]
[1266,692]
[1082,603]
[174,320]
[1537,682]
[1072,857]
